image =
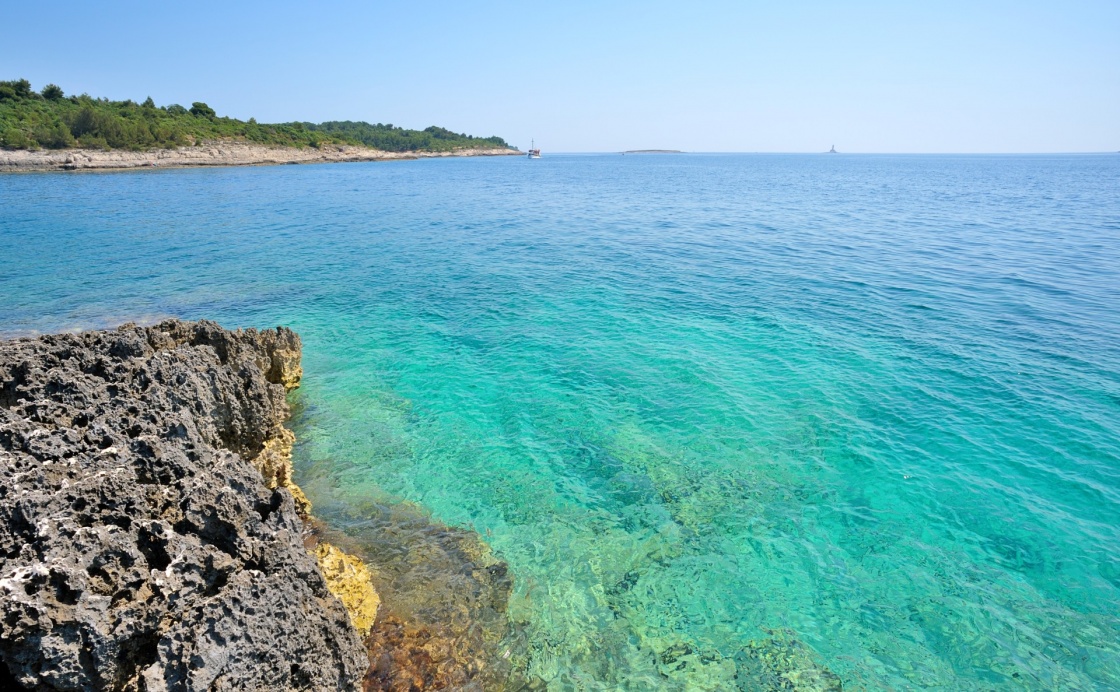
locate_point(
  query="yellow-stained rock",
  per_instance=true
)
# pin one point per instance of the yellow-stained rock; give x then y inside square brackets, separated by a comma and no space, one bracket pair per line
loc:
[282,348]
[285,361]
[303,505]
[348,579]
[275,464]
[275,458]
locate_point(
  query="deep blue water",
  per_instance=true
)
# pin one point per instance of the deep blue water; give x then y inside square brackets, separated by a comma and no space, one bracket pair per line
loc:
[865,408]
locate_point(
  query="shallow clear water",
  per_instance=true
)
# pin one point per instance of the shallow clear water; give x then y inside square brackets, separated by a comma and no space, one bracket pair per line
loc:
[870,403]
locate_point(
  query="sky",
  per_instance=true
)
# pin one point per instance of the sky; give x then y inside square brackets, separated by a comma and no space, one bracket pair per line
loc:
[936,77]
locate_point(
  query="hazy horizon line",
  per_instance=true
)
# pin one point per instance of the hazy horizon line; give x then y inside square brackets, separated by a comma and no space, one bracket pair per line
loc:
[670,152]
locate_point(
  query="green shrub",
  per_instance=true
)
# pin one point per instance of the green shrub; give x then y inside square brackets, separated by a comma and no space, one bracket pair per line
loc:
[93,142]
[14,138]
[53,135]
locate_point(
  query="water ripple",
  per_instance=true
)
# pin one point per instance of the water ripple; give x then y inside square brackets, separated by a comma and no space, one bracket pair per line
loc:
[859,416]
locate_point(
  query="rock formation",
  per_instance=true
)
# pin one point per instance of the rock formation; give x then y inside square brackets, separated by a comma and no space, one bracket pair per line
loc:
[349,579]
[212,154]
[443,622]
[149,537]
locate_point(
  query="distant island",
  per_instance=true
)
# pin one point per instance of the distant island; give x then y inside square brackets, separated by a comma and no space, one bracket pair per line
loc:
[49,120]
[652,151]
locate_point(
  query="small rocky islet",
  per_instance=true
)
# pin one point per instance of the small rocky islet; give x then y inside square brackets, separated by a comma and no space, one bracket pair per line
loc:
[151,537]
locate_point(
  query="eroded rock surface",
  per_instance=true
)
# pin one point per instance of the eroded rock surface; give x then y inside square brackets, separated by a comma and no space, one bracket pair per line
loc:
[221,153]
[140,545]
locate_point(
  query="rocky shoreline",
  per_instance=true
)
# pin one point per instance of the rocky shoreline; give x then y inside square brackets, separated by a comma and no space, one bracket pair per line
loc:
[151,537]
[211,154]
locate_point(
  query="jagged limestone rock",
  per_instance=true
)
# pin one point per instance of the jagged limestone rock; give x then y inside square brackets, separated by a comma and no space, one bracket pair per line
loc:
[140,546]
[275,464]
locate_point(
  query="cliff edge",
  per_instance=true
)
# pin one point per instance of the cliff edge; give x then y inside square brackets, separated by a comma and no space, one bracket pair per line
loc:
[150,537]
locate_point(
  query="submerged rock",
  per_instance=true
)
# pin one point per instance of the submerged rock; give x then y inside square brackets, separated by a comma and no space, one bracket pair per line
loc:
[349,579]
[442,623]
[149,538]
[782,662]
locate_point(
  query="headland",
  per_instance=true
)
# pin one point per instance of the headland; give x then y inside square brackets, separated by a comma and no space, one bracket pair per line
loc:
[48,130]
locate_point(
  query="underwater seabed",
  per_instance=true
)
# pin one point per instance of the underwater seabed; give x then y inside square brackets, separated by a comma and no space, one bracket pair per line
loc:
[447,595]
[695,575]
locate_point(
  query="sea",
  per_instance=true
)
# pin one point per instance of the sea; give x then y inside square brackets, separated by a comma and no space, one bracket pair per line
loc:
[732,421]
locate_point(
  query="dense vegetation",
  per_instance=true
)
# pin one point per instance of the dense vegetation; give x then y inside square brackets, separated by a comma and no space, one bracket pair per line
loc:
[49,119]
[390,138]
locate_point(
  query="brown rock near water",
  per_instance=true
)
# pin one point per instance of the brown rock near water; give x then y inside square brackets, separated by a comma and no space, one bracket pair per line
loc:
[140,545]
[443,622]
[349,579]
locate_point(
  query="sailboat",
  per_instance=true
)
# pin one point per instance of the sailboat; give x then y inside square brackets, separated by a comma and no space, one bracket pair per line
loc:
[534,153]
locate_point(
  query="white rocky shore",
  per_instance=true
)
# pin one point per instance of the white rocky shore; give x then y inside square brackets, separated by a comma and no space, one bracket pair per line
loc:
[211,154]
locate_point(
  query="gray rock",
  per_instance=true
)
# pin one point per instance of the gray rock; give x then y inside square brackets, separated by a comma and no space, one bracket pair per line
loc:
[140,547]
[212,154]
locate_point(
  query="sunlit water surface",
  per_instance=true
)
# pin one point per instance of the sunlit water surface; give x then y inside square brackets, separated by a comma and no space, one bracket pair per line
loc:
[870,404]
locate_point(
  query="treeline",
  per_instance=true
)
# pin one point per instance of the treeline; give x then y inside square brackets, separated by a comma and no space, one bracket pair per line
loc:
[390,138]
[49,119]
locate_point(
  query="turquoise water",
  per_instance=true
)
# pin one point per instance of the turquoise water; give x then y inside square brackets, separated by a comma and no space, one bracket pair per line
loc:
[867,403]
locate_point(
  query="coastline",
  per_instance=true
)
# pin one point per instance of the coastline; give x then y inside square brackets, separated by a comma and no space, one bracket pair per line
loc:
[148,520]
[212,154]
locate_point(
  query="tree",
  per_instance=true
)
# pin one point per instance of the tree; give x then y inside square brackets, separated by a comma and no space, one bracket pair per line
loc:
[50,119]
[16,89]
[201,110]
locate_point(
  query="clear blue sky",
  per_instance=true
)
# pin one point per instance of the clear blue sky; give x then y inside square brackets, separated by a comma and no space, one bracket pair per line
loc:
[606,76]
